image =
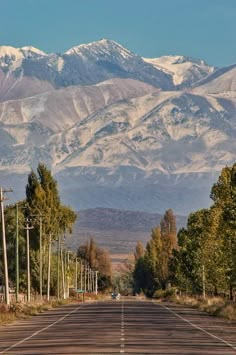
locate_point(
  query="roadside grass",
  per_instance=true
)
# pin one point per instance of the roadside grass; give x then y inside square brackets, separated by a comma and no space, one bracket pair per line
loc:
[215,306]
[15,311]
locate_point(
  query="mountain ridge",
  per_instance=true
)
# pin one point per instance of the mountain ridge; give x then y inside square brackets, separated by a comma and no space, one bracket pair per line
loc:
[109,123]
[117,230]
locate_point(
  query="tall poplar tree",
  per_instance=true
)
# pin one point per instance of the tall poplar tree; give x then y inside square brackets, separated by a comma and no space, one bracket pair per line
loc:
[42,198]
[139,251]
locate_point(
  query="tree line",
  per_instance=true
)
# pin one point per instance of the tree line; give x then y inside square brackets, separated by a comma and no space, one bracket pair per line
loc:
[97,259]
[201,258]
[151,271]
[48,222]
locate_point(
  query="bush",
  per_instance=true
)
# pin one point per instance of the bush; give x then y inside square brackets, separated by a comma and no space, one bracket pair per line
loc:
[228,311]
[158,294]
[169,293]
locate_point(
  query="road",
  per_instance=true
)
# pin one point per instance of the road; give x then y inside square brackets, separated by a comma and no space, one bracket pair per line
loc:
[120,327]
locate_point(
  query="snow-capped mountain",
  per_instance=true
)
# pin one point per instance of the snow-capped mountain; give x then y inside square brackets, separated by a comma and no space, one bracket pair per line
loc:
[116,129]
[11,58]
[28,71]
[185,71]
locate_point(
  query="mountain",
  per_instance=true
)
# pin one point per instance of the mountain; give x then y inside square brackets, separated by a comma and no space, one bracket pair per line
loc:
[117,130]
[26,72]
[220,82]
[51,126]
[11,58]
[185,71]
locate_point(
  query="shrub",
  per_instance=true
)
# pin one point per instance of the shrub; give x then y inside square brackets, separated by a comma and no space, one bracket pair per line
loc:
[158,294]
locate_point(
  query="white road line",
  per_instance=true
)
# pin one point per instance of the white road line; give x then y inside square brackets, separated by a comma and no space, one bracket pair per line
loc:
[122,339]
[199,328]
[40,331]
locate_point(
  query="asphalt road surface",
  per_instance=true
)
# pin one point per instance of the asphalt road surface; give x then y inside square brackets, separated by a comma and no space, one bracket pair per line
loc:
[120,327]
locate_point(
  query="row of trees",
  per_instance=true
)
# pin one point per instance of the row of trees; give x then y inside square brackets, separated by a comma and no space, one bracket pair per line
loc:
[97,259]
[205,261]
[48,219]
[151,269]
[201,259]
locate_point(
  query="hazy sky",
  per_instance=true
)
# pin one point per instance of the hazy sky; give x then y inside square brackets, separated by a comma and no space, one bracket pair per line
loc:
[203,29]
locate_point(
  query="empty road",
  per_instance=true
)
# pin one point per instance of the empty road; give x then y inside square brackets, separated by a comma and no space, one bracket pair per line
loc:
[120,327]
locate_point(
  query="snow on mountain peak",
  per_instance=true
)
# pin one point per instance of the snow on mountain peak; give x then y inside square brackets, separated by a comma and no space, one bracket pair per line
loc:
[33,50]
[184,70]
[103,47]
[11,57]
[9,51]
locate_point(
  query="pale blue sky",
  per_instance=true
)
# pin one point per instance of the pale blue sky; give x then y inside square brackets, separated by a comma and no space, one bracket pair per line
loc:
[203,29]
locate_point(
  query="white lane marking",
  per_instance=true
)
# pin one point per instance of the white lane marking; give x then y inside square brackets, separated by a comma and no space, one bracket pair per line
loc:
[199,328]
[122,339]
[40,331]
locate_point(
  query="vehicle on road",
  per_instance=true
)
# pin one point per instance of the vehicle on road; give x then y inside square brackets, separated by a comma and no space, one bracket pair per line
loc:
[115,295]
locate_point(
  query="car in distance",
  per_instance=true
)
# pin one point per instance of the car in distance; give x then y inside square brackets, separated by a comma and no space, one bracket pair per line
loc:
[115,295]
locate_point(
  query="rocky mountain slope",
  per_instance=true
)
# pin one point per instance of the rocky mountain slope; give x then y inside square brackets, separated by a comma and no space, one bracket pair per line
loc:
[116,129]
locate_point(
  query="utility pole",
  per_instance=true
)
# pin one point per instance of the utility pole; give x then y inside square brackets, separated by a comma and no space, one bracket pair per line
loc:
[27,227]
[85,277]
[203,282]
[63,275]
[4,246]
[91,285]
[40,258]
[49,266]
[88,278]
[65,272]
[96,282]
[40,254]
[81,275]
[68,271]
[76,276]
[17,253]
[93,281]
[58,266]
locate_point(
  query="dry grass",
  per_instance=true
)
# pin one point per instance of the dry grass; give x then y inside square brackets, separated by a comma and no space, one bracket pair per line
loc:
[215,306]
[22,311]
[228,311]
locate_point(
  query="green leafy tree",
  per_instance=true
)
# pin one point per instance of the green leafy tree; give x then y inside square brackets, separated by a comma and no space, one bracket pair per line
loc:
[42,198]
[223,194]
[169,243]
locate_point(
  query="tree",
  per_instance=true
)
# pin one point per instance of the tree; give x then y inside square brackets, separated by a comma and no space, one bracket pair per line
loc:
[139,251]
[152,270]
[223,194]
[98,259]
[169,243]
[42,198]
